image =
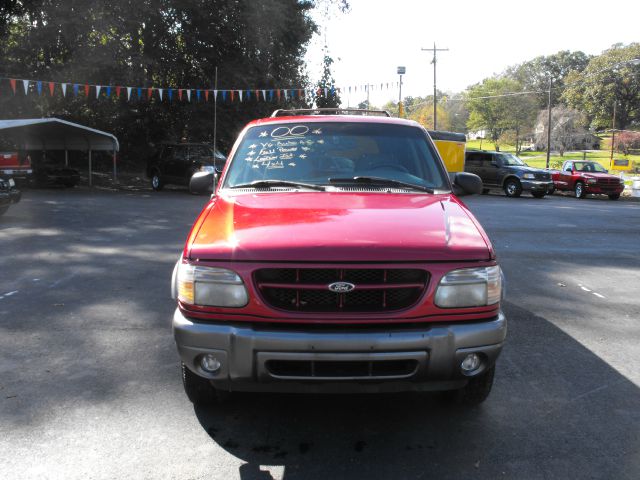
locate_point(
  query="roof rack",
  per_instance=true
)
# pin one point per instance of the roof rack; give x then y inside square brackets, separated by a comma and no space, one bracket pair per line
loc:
[329,111]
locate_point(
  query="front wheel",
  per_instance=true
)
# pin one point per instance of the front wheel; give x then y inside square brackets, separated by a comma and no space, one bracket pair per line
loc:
[512,188]
[476,391]
[156,181]
[579,190]
[614,196]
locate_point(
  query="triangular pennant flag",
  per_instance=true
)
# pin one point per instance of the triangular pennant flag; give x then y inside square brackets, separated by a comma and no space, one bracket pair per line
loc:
[278,93]
[286,95]
[109,92]
[232,95]
[160,93]
[118,88]
[188,94]
[129,93]
[257,95]
[325,91]
[76,89]
[98,87]
[333,91]
[64,89]
[86,89]
[25,84]
[240,94]
[264,95]
[270,95]
[248,95]
[139,93]
[170,94]
[12,82]
[179,94]
[215,95]
[149,92]
[51,87]
[300,93]
[224,95]
[206,95]
[198,94]
[39,87]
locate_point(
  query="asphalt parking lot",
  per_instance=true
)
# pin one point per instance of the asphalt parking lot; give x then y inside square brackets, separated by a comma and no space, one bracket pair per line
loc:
[90,386]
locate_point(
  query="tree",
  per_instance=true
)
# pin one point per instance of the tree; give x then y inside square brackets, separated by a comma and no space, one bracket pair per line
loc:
[327,96]
[496,106]
[609,79]
[534,75]
[567,129]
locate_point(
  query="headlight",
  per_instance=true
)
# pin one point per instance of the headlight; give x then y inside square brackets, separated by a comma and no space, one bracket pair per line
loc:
[529,175]
[208,168]
[469,287]
[207,286]
[591,180]
[12,182]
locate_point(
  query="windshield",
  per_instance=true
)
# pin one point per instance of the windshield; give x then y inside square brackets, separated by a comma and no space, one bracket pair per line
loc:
[511,159]
[316,153]
[589,167]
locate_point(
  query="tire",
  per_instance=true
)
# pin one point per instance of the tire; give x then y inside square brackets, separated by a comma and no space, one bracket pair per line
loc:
[614,196]
[538,194]
[156,181]
[512,188]
[198,389]
[476,391]
[485,191]
[579,190]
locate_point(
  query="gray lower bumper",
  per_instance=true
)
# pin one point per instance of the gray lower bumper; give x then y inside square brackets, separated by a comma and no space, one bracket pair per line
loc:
[537,185]
[247,351]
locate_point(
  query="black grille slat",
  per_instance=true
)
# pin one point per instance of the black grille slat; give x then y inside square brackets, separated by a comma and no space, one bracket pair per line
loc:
[306,289]
[341,369]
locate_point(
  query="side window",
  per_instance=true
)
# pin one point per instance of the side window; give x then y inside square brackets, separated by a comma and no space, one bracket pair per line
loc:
[473,160]
[167,153]
[180,154]
[198,151]
[486,160]
[568,167]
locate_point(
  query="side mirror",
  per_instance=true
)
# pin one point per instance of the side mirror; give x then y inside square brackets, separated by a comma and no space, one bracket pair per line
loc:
[201,182]
[466,184]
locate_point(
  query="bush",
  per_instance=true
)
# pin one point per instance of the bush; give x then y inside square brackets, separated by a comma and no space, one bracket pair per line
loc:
[627,141]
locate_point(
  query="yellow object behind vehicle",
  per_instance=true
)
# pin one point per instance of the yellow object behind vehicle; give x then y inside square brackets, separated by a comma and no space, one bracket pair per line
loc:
[622,165]
[451,147]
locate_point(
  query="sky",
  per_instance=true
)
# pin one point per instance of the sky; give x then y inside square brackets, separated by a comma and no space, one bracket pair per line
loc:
[375,37]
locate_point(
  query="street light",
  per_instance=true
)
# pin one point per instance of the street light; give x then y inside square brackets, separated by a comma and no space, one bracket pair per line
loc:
[401,71]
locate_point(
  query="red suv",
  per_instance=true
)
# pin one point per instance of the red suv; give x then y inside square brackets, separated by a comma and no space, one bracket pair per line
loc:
[335,256]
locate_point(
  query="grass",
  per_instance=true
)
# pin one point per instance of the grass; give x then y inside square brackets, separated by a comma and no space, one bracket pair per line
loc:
[539,159]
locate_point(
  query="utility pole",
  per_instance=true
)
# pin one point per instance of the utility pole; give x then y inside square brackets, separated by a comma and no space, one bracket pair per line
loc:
[215,112]
[613,134]
[435,100]
[401,71]
[549,122]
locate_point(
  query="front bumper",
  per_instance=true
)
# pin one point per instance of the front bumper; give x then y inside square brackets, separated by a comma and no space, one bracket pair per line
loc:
[538,185]
[597,189]
[247,354]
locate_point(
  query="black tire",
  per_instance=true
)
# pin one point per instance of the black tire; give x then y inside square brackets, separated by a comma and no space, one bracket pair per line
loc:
[579,190]
[156,181]
[476,391]
[198,389]
[485,191]
[614,196]
[538,194]
[512,188]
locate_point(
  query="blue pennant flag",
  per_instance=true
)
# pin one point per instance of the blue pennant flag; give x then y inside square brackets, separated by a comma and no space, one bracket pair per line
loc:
[75,89]
[39,86]
[108,92]
[198,94]
[139,92]
[170,93]
[224,95]
[270,95]
[248,94]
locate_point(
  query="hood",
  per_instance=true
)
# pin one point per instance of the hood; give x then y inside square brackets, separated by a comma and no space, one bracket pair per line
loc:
[597,175]
[338,227]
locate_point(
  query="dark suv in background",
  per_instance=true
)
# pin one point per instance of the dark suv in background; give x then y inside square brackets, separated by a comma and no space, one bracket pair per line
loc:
[508,172]
[175,163]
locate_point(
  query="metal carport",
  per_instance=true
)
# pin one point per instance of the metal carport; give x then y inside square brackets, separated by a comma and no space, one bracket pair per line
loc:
[57,134]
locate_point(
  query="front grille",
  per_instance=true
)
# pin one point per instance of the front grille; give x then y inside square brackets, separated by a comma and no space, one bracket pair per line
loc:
[306,289]
[341,369]
[608,182]
[542,176]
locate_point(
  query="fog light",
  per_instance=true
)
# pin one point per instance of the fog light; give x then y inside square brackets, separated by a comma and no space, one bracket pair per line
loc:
[210,363]
[470,363]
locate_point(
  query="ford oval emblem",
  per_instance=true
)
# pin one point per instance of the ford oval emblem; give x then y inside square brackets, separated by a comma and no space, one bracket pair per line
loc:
[341,287]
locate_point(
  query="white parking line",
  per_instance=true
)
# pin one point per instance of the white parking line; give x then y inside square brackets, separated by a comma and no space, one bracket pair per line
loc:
[591,291]
[8,294]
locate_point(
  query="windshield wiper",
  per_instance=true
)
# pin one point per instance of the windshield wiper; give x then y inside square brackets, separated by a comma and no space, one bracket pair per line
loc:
[381,181]
[279,183]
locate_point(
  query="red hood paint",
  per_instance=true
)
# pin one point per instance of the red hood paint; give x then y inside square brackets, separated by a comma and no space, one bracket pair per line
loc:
[337,227]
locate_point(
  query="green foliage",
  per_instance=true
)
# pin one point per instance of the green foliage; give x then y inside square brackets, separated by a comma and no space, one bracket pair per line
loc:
[158,43]
[330,99]
[608,79]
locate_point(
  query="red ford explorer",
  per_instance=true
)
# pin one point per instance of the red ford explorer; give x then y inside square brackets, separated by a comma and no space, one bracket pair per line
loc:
[335,256]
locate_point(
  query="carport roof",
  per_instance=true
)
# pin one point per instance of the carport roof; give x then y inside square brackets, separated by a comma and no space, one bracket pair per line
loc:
[57,134]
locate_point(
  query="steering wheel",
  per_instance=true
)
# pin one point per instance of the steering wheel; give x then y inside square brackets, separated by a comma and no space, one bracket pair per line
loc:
[391,166]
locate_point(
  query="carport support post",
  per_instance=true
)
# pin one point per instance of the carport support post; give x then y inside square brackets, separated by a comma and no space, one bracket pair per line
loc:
[115,177]
[90,183]
[66,157]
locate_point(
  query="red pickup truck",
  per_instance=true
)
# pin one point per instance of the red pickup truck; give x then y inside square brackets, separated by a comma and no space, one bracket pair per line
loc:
[335,256]
[11,165]
[583,177]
